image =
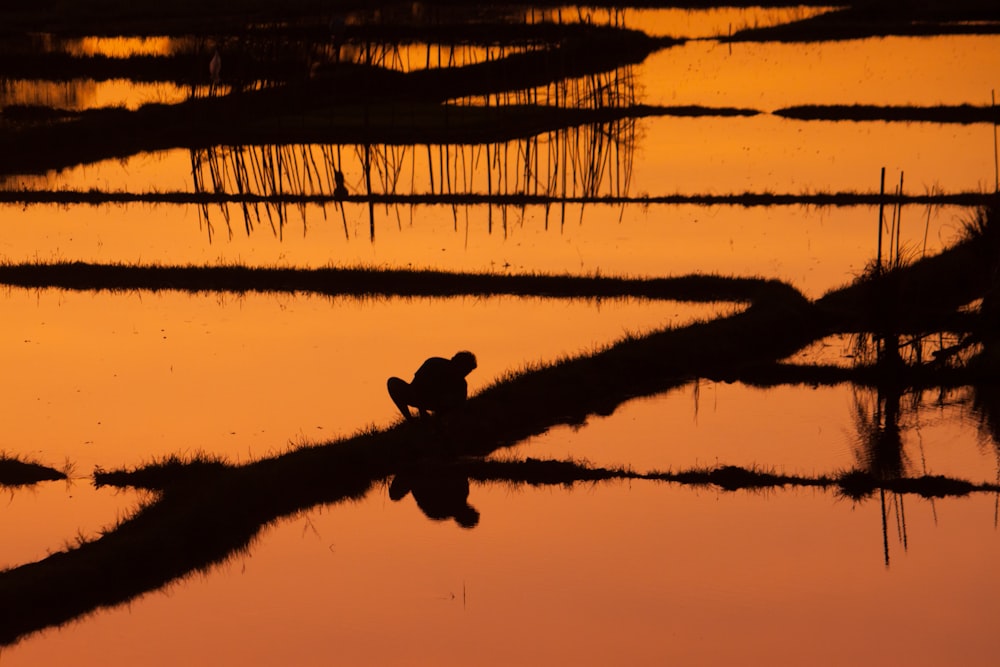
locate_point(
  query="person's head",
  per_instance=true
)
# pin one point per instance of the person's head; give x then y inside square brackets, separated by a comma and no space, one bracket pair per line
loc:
[465,360]
[467,517]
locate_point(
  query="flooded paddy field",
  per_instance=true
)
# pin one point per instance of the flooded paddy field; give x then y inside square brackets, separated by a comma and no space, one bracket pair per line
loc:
[720,413]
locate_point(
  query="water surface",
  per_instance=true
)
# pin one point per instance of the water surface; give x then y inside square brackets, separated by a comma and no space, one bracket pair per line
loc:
[636,572]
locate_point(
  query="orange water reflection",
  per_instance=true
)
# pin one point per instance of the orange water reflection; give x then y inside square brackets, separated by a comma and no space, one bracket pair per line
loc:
[81,94]
[770,154]
[51,516]
[814,249]
[678,22]
[124,47]
[116,380]
[643,573]
[640,573]
[712,22]
[768,76]
[687,156]
[787,429]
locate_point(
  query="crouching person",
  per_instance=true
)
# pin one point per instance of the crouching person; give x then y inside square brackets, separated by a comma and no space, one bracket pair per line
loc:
[437,386]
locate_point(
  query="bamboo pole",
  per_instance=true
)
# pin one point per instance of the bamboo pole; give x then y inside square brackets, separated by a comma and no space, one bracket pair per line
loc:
[881,208]
[996,158]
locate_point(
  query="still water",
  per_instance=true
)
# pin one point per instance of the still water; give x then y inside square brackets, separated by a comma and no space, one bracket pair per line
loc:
[636,572]
[642,572]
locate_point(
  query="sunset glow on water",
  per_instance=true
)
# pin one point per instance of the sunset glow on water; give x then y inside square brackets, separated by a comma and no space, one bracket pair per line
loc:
[627,570]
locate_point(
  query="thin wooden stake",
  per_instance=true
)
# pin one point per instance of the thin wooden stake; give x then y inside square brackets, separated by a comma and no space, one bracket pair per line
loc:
[899,216]
[881,208]
[996,160]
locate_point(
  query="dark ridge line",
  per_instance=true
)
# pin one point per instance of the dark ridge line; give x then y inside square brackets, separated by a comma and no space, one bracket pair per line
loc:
[314,27]
[965,114]
[870,376]
[747,199]
[555,116]
[363,282]
[244,64]
[856,484]
[14,472]
[542,115]
[185,17]
[538,472]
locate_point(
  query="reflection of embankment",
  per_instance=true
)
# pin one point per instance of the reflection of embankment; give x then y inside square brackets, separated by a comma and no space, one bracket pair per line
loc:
[206,510]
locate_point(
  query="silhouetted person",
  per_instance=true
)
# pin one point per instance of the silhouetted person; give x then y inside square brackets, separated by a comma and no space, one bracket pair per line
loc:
[440,492]
[437,386]
[338,23]
[340,190]
[215,68]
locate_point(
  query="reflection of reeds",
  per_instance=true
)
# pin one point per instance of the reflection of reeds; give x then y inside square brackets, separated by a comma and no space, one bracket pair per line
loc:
[582,163]
[879,449]
[263,176]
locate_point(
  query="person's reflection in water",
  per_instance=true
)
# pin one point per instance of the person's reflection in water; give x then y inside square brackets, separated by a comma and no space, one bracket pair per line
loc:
[441,493]
[438,385]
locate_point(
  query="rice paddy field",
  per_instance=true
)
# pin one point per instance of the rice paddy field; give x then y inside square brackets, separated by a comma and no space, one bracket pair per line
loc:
[351,189]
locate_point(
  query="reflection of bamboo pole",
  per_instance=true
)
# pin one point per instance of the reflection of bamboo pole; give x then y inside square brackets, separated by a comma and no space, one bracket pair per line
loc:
[239,166]
[489,190]
[885,527]
[368,190]
[901,520]
[199,186]
[430,164]
[343,214]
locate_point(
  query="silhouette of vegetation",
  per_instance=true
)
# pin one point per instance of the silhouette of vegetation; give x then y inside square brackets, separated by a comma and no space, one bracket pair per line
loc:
[964,114]
[745,199]
[15,471]
[378,282]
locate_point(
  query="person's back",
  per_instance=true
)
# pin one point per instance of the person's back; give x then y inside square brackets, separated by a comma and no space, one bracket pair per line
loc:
[438,385]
